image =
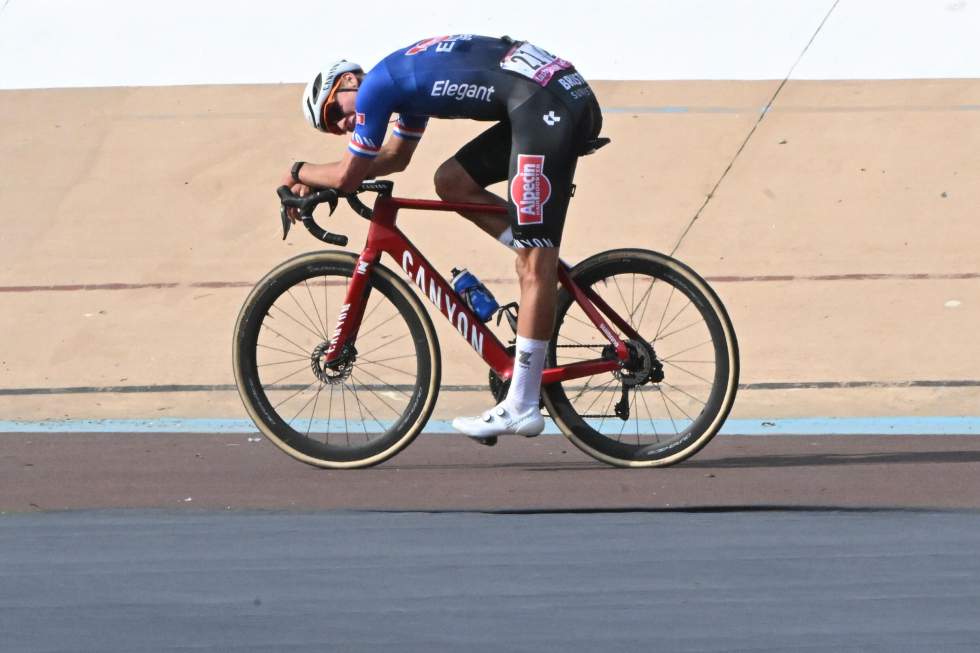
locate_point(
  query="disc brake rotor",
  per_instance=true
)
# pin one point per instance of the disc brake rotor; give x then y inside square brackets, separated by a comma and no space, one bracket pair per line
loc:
[339,370]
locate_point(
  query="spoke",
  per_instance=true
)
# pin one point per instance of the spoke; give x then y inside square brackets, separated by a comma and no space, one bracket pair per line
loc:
[381,399]
[650,412]
[588,324]
[673,319]
[303,407]
[387,344]
[341,282]
[303,311]
[368,409]
[632,307]
[601,390]
[684,351]
[621,297]
[292,360]
[387,385]
[663,360]
[584,388]
[343,400]
[645,300]
[690,373]
[318,335]
[394,358]
[606,413]
[636,416]
[676,405]
[278,381]
[300,391]
[318,318]
[283,351]
[387,367]
[664,314]
[301,349]
[683,392]
[573,340]
[676,331]
[359,411]
[326,306]
[313,414]
[377,305]
[670,415]
[326,436]
[379,325]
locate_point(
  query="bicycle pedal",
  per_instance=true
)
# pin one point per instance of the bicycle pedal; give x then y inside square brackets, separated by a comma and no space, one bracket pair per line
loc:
[486,442]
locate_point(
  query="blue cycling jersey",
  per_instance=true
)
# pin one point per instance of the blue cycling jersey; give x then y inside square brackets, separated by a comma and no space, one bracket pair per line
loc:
[460,76]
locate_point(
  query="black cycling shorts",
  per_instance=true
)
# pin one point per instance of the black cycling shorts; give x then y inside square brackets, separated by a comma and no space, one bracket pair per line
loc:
[536,150]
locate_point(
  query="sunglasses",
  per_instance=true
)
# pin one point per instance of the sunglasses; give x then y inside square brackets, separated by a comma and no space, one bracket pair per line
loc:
[332,112]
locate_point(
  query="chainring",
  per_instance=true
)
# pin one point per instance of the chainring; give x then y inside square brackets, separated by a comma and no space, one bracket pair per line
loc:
[499,387]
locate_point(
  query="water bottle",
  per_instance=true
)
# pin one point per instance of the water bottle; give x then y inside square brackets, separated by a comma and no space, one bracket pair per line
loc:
[474,293]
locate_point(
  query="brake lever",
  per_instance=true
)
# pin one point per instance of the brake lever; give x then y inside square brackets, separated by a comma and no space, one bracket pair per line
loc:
[333,200]
[286,222]
[304,204]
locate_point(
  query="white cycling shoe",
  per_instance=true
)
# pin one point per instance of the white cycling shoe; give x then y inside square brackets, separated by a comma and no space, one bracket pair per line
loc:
[499,420]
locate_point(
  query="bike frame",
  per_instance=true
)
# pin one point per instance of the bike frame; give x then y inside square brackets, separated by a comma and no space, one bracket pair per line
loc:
[384,237]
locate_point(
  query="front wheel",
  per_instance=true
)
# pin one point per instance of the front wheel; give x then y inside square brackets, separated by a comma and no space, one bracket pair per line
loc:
[684,369]
[365,406]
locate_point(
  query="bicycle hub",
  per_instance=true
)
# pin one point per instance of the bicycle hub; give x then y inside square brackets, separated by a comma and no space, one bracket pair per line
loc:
[338,370]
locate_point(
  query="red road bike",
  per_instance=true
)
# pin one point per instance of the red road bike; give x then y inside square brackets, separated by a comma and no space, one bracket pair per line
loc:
[338,363]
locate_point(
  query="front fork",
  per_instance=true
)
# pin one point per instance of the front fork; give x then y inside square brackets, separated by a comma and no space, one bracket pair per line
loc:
[352,310]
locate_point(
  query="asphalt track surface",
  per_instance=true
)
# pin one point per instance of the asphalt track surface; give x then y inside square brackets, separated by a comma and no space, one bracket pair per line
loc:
[116,542]
[674,581]
[52,472]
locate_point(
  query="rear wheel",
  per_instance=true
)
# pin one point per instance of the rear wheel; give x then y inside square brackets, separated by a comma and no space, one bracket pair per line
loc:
[678,390]
[365,407]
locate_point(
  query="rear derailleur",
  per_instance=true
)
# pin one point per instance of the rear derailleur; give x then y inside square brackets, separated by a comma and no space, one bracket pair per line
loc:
[641,367]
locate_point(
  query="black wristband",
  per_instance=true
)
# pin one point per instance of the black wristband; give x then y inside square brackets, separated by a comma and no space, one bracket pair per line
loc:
[295,171]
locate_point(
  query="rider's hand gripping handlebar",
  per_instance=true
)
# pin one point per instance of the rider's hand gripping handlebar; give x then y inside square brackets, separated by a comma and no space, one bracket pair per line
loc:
[306,206]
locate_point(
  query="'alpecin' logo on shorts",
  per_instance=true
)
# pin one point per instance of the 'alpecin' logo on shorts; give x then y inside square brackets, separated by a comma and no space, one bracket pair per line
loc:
[530,189]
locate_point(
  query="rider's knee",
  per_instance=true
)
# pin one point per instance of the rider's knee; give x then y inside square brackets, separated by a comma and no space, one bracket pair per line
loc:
[447,180]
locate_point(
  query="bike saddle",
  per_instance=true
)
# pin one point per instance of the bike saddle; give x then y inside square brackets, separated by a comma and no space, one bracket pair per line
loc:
[594,144]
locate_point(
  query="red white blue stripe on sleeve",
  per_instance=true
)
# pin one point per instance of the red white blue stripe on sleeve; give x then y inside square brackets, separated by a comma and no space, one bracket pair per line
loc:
[409,132]
[362,146]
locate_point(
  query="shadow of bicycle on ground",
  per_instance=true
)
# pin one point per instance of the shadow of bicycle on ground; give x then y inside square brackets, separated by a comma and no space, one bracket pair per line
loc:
[835,459]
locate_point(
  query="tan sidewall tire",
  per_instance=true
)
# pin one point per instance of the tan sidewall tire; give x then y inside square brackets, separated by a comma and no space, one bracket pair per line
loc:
[731,345]
[345,259]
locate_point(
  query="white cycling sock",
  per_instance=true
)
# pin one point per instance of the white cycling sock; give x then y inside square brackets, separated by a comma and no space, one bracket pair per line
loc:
[507,237]
[525,384]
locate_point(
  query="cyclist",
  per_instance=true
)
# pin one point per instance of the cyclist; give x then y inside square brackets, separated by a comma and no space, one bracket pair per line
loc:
[545,113]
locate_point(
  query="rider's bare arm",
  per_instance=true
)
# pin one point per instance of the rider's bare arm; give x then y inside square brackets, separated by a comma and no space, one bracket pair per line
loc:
[351,170]
[345,174]
[393,157]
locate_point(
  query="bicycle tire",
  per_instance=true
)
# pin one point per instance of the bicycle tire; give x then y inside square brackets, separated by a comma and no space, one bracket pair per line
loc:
[408,405]
[698,430]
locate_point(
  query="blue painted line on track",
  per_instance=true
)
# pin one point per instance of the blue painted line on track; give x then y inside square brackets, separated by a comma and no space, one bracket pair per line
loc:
[797,426]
